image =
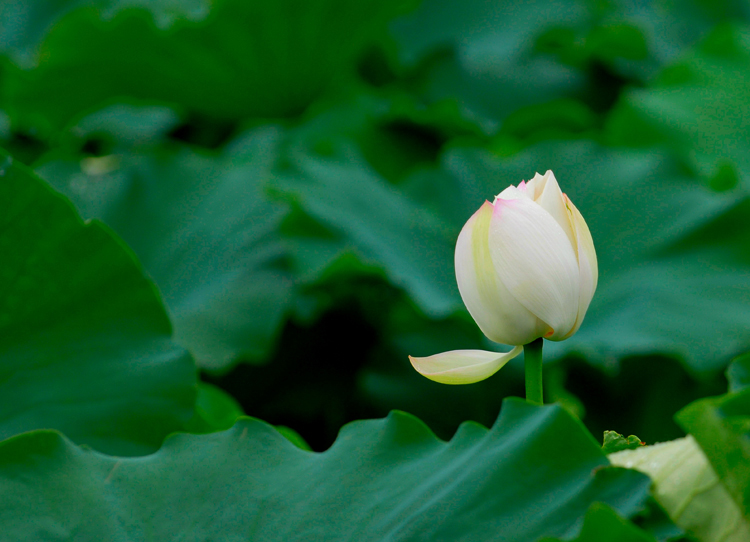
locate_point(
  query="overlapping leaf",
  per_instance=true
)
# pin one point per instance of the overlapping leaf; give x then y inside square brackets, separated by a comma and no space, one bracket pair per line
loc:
[85,343]
[669,28]
[375,222]
[535,473]
[124,126]
[603,523]
[485,55]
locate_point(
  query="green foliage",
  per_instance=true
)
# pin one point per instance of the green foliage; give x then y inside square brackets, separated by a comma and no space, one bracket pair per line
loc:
[124,126]
[31,21]
[292,176]
[720,426]
[204,230]
[231,65]
[603,523]
[652,267]
[689,490]
[701,480]
[215,410]
[697,107]
[292,436]
[483,54]
[738,373]
[376,222]
[386,478]
[85,342]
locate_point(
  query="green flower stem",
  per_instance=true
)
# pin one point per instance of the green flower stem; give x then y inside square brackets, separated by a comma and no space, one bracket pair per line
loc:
[532,354]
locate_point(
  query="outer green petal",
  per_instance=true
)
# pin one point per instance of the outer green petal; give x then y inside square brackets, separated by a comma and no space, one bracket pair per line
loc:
[587,263]
[497,313]
[534,259]
[463,366]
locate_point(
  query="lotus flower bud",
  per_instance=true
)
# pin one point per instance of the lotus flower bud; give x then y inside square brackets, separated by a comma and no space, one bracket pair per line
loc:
[526,268]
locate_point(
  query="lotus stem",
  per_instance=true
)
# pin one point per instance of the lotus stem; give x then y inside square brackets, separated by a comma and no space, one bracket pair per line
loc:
[532,354]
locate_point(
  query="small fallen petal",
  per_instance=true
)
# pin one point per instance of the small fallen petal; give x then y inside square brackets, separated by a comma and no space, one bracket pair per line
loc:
[463,366]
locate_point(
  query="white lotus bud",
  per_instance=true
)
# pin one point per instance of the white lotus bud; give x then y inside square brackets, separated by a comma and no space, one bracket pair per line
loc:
[526,268]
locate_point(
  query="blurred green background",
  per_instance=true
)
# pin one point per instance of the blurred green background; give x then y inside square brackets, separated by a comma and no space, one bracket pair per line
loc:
[293,176]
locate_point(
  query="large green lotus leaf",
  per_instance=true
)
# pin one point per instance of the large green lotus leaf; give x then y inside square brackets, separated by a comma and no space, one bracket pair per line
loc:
[697,107]
[688,489]
[85,343]
[534,474]
[365,215]
[206,233]
[247,58]
[721,426]
[26,23]
[669,283]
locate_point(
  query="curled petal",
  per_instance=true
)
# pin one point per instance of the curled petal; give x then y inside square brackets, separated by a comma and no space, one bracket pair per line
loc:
[536,262]
[553,201]
[463,366]
[514,192]
[497,313]
[536,185]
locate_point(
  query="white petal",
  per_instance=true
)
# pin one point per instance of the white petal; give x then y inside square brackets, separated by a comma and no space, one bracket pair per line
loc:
[463,366]
[497,313]
[535,186]
[536,262]
[553,201]
[587,263]
[513,192]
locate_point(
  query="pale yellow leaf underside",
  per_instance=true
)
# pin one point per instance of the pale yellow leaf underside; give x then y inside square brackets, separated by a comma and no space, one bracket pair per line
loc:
[688,489]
